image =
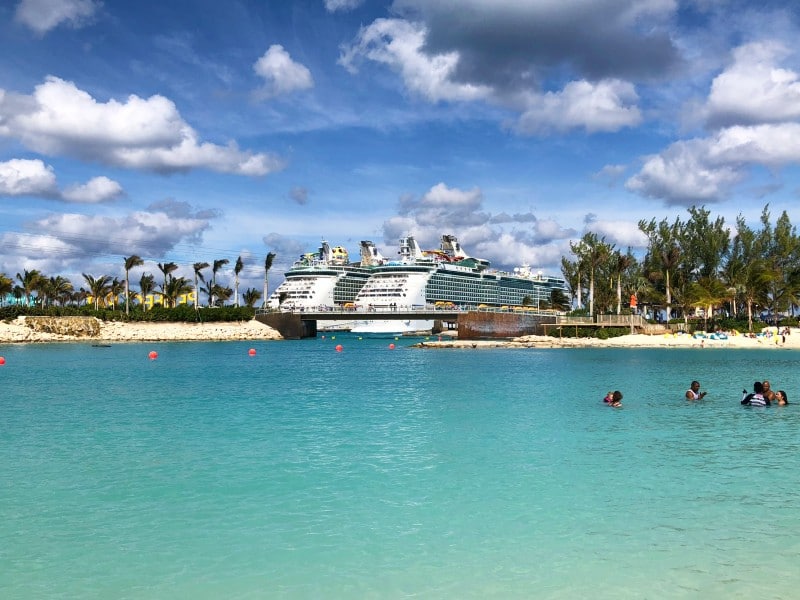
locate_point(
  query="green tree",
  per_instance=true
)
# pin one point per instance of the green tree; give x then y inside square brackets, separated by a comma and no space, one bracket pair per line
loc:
[167,269]
[30,282]
[218,264]
[270,258]
[176,287]
[198,276]
[130,262]
[147,284]
[250,297]
[98,287]
[236,270]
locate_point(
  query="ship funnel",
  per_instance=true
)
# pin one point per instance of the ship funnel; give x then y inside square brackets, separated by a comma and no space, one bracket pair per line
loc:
[409,249]
[370,255]
[452,248]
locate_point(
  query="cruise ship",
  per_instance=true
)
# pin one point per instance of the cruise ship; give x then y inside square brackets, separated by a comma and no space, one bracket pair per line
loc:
[449,276]
[417,279]
[325,279]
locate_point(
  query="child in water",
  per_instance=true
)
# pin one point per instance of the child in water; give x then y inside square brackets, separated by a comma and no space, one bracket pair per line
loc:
[609,398]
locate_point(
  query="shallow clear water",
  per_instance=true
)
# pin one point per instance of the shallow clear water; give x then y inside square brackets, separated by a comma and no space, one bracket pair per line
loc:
[375,473]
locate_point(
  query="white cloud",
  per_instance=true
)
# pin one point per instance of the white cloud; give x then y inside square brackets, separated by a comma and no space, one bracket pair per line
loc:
[505,242]
[343,5]
[753,89]
[705,169]
[281,74]
[96,190]
[23,177]
[619,232]
[682,174]
[60,119]
[20,177]
[607,105]
[43,15]
[399,44]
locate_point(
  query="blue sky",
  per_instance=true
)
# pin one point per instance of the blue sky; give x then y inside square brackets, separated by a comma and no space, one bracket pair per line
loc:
[191,131]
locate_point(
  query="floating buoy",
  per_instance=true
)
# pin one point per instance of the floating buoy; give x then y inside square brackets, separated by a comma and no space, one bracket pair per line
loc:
[252,352]
[391,346]
[2,360]
[333,337]
[339,347]
[323,337]
[360,338]
[153,355]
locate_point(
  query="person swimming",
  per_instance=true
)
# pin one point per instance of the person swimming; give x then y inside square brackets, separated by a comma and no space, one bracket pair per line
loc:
[609,398]
[780,397]
[694,393]
[757,397]
[616,399]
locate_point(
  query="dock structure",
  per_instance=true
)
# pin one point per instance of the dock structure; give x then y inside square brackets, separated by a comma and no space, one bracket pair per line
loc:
[471,324]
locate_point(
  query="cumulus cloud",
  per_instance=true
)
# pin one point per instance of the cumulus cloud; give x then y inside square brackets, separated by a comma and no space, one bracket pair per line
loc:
[505,44]
[24,177]
[683,175]
[342,5]
[43,15]
[281,74]
[753,89]
[622,233]
[705,169]
[20,177]
[147,134]
[399,45]
[405,46]
[98,189]
[59,243]
[506,240]
[608,105]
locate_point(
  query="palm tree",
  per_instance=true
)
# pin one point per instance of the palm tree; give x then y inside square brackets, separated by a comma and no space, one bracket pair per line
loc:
[236,270]
[250,297]
[621,264]
[147,284]
[60,289]
[130,262]
[166,269]
[115,288]
[6,287]
[198,276]
[267,266]
[97,287]
[30,282]
[176,287]
[218,264]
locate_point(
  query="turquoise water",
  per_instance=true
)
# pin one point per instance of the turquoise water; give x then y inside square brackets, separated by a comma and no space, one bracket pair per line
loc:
[375,473]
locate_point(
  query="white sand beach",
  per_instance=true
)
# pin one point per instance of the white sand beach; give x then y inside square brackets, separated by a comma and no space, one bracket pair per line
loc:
[20,331]
[767,342]
[27,330]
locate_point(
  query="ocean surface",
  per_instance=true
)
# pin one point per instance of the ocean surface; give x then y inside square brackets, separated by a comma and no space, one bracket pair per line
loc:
[303,472]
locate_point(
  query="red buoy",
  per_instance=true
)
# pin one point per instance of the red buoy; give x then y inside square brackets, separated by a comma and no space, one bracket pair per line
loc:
[252,352]
[2,360]
[391,346]
[153,355]
[339,347]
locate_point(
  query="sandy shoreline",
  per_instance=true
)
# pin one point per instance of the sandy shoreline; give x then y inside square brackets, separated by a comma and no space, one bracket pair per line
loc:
[113,331]
[18,331]
[774,342]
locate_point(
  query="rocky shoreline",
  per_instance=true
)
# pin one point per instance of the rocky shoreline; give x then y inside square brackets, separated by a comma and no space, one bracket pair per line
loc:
[89,329]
